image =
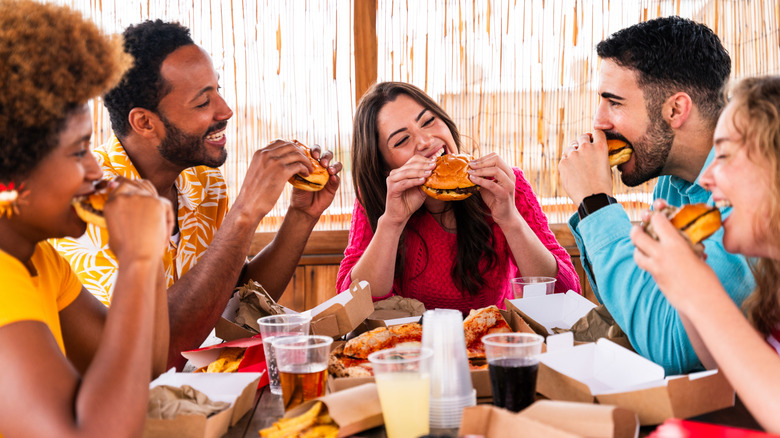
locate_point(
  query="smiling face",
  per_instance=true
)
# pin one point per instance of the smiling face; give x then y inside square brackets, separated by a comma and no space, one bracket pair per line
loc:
[623,114]
[193,113]
[69,170]
[406,128]
[742,181]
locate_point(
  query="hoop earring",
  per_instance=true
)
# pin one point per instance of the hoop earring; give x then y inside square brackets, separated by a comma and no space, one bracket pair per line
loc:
[11,198]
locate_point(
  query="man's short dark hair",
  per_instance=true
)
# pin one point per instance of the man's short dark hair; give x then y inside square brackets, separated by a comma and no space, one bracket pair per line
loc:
[673,54]
[142,86]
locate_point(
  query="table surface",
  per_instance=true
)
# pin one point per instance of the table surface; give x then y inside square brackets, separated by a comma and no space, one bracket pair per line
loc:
[268,408]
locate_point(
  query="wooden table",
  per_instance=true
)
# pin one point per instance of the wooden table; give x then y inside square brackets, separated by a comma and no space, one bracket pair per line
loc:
[268,408]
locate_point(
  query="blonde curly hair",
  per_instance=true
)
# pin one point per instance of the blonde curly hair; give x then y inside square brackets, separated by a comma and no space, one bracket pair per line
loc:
[52,61]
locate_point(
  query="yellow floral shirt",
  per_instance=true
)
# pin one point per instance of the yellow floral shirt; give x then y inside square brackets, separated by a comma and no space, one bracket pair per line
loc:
[203,204]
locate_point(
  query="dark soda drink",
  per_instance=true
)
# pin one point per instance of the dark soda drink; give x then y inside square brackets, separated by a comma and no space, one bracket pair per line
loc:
[514,382]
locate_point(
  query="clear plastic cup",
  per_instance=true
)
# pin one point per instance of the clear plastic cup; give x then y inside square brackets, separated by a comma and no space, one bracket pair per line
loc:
[451,387]
[403,376]
[303,367]
[529,287]
[276,326]
[513,363]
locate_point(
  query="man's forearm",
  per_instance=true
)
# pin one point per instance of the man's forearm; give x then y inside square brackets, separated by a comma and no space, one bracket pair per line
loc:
[197,299]
[274,265]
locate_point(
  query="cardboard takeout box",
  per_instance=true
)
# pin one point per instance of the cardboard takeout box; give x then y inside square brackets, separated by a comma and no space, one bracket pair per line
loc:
[335,317]
[606,373]
[546,312]
[238,389]
[354,410]
[550,419]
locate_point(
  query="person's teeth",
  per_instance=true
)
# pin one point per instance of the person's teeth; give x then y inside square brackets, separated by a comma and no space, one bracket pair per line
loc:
[722,203]
[216,136]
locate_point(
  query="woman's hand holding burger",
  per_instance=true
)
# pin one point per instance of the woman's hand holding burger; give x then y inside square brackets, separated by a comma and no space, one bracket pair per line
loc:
[139,222]
[497,186]
[679,272]
[404,195]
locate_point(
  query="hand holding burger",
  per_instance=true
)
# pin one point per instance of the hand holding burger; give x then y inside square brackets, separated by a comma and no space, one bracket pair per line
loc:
[695,221]
[318,177]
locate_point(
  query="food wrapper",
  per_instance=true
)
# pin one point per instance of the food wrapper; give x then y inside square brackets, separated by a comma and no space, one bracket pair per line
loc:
[166,402]
[596,324]
[254,303]
[397,307]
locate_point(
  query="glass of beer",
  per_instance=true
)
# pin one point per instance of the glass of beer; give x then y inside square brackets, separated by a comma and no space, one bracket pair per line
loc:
[303,367]
[513,363]
[403,380]
[277,326]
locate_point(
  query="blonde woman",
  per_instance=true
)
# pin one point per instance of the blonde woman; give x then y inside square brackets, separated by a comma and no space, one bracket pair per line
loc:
[745,174]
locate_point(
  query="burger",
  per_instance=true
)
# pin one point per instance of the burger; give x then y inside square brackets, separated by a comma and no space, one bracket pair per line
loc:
[695,221]
[317,178]
[619,152]
[90,207]
[450,179]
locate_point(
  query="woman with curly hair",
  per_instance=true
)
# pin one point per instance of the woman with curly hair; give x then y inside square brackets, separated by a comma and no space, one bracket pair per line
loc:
[69,367]
[746,175]
[448,254]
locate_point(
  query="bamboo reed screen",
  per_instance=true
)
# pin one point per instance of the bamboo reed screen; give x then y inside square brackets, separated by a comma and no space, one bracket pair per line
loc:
[518,76]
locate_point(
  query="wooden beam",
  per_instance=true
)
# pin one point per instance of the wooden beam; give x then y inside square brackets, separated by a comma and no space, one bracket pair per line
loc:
[365,46]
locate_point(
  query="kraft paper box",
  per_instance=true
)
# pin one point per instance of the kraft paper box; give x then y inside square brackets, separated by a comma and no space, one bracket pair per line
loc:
[551,419]
[354,410]
[335,317]
[238,389]
[546,312]
[606,373]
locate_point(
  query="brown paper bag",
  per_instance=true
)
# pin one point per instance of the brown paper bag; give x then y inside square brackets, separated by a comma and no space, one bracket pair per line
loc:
[597,324]
[353,410]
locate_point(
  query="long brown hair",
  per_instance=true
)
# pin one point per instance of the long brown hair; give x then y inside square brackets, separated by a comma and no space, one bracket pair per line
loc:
[756,103]
[369,176]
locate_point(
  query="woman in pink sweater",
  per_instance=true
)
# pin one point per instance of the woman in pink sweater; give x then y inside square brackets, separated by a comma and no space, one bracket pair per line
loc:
[459,254]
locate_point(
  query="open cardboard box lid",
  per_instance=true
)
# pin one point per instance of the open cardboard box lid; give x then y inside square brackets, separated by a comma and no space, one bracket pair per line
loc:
[604,372]
[335,317]
[552,419]
[543,313]
[238,389]
[354,410]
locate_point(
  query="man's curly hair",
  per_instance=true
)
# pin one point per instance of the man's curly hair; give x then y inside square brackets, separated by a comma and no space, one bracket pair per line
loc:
[149,43]
[52,61]
[673,54]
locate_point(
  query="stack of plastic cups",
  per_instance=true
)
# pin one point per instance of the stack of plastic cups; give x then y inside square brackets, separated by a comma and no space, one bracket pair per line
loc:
[451,388]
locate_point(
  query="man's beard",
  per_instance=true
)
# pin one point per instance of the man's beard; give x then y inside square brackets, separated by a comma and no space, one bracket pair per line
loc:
[650,152]
[188,150]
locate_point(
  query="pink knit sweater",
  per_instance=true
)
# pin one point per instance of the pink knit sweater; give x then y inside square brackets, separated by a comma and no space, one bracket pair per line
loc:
[431,251]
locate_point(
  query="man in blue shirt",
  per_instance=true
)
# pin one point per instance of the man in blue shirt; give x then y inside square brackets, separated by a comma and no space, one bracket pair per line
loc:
[660,85]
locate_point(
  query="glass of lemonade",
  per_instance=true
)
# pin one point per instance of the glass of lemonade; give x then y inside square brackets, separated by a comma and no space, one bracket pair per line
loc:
[303,367]
[513,363]
[277,326]
[403,380]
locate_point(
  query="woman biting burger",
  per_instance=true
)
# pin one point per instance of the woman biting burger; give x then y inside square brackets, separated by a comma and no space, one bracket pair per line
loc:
[744,175]
[412,236]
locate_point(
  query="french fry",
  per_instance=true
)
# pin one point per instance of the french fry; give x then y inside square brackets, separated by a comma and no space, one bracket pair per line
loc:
[228,361]
[310,424]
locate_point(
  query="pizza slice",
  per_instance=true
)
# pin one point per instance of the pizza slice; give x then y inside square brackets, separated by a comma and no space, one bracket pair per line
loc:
[479,323]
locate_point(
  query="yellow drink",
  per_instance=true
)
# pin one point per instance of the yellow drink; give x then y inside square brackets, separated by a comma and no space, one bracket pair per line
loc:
[405,403]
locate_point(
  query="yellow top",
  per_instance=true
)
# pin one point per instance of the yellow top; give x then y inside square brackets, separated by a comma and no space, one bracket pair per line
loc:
[203,204]
[40,297]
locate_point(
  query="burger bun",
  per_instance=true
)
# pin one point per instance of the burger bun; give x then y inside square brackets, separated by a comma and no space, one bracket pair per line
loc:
[318,177]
